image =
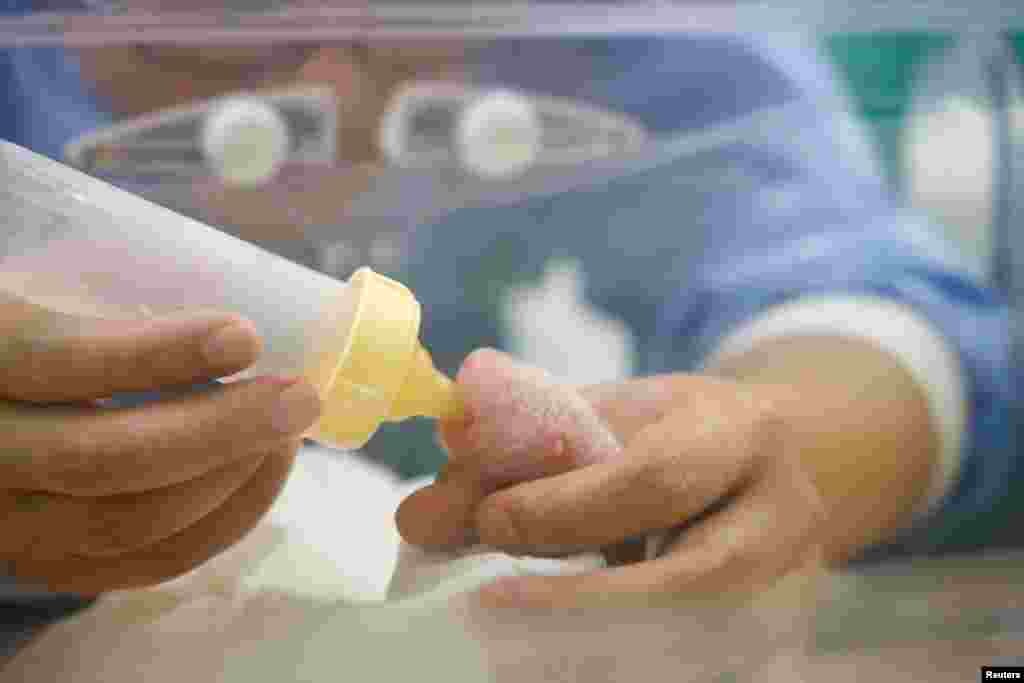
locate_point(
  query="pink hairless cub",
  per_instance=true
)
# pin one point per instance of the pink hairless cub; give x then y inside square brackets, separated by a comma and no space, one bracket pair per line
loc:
[519,423]
[535,421]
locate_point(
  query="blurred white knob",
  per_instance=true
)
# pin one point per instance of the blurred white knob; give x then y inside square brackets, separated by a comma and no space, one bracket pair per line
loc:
[245,141]
[950,169]
[498,135]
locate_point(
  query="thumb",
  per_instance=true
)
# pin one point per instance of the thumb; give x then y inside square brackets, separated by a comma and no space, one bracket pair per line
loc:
[46,356]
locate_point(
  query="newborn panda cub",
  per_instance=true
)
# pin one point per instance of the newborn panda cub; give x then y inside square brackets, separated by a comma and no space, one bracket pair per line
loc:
[518,423]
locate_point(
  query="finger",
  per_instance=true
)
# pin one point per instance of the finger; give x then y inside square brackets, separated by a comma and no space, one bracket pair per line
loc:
[54,357]
[439,516]
[442,514]
[173,556]
[736,552]
[453,430]
[629,406]
[120,524]
[92,452]
[53,525]
[670,473]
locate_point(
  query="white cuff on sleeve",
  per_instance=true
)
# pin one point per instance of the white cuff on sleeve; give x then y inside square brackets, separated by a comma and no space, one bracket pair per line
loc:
[894,328]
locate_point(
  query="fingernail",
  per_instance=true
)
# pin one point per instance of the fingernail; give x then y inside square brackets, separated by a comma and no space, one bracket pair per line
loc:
[234,345]
[298,407]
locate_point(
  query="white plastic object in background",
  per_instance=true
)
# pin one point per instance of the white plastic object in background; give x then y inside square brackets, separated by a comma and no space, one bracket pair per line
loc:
[498,135]
[551,324]
[949,150]
[168,143]
[245,140]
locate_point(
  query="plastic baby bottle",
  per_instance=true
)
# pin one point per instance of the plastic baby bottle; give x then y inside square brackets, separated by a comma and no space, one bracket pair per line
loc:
[78,245]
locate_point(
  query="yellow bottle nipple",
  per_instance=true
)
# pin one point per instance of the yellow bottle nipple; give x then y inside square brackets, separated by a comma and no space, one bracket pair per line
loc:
[373,369]
[426,392]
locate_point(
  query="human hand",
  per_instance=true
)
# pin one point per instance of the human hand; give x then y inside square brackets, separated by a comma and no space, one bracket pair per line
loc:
[94,497]
[530,473]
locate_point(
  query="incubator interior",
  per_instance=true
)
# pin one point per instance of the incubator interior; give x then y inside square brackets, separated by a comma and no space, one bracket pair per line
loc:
[488,168]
